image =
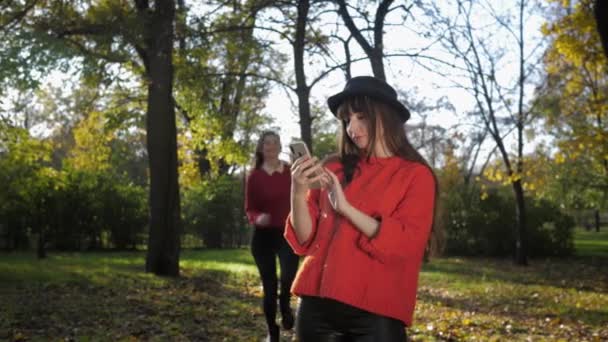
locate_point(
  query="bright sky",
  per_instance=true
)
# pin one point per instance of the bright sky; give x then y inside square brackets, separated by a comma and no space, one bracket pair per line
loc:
[417,82]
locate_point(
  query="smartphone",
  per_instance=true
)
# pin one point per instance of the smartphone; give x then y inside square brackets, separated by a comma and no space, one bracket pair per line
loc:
[299,149]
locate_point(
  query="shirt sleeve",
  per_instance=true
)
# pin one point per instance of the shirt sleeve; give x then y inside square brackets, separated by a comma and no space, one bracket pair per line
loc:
[312,199]
[404,233]
[251,201]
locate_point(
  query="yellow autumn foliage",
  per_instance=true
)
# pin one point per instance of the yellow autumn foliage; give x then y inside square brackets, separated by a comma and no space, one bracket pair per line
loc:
[577,69]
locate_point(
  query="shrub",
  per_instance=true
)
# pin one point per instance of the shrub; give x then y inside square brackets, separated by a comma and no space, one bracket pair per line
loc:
[479,227]
[213,210]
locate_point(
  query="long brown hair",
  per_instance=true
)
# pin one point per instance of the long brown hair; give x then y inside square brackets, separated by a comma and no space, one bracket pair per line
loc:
[258,158]
[395,140]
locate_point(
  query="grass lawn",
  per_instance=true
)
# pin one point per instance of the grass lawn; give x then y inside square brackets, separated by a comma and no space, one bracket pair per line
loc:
[591,243]
[107,297]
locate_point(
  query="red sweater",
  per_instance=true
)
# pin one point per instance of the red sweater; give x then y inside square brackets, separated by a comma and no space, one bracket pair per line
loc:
[380,274]
[268,194]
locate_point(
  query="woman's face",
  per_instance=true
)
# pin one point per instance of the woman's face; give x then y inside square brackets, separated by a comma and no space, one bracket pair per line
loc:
[357,128]
[271,147]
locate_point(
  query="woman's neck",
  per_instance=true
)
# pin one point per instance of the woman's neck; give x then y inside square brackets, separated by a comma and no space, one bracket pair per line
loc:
[381,151]
[271,163]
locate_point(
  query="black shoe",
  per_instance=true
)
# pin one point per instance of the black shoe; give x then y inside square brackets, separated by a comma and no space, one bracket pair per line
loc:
[273,334]
[287,319]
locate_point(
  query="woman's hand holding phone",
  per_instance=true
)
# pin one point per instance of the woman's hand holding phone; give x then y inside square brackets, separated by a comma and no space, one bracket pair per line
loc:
[302,162]
[307,173]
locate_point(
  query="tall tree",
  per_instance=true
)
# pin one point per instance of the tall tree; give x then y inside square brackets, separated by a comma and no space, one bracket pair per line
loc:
[235,64]
[372,45]
[500,98]
[576,104]
[308,45]
[374,49]
[302,89]
[136,36]
[157,54]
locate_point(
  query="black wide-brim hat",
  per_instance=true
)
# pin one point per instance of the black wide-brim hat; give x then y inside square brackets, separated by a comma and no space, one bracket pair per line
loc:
[370,86]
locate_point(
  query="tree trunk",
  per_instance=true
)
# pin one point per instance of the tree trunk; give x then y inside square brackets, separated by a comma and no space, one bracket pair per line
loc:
[521,252]
[305,118]
[204,165]
[164,238]
[40,246]
[348,63]
[374,50]
[377,64]
[521,256]
[601,19]
[302,90]
[40,249]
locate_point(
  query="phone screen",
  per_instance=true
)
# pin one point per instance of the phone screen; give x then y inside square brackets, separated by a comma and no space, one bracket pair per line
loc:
[298,150]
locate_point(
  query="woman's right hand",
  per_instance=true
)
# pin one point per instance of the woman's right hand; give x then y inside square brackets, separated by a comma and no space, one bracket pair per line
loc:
[262,220]
[304,172]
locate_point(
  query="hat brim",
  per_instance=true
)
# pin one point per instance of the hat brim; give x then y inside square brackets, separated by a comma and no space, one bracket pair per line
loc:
[336,100]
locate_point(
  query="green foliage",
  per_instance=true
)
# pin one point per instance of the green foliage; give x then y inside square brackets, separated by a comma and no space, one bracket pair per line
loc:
[574,104]
[218,89]
[477,226]
[551,231]
[48,35]
[73,208]
[324,134]
[25,182]
[28,56]
[213,210]
[324,144]
[94,205]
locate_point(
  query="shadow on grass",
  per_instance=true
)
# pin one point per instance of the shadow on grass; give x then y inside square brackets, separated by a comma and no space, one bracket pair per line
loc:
[583,274]
[517,307]
[115,300]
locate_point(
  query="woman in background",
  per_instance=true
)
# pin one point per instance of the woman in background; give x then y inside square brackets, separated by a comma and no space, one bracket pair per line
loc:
[267,207]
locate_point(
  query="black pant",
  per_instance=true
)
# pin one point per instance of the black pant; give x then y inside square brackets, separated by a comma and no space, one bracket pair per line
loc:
[266,245]
[327,320]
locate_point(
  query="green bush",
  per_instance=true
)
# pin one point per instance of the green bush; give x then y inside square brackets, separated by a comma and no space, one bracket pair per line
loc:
[63,209]
[96,205]
[74,210]
[477,227]
[551,231]
[213,210]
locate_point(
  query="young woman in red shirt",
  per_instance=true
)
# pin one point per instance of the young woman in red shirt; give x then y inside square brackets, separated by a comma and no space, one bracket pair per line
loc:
[267,206]
[364,233]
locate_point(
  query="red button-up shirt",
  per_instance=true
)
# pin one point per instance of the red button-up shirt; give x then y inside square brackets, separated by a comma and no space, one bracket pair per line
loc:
[380,274]
[268,194]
